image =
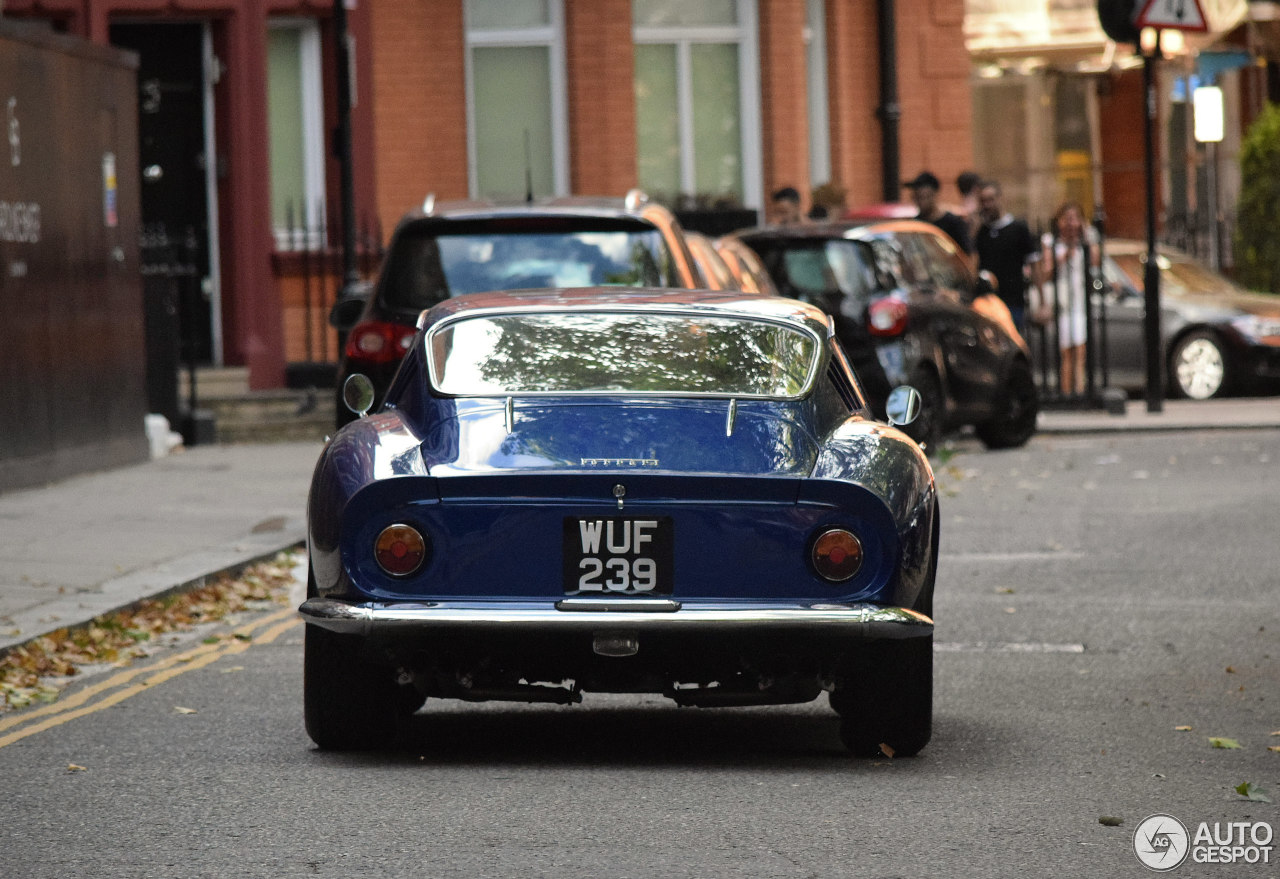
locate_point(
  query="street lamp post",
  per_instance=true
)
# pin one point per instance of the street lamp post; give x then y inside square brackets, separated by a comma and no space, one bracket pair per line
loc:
[1151,277]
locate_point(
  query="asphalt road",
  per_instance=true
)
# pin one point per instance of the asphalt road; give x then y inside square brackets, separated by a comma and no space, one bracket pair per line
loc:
[1095,594]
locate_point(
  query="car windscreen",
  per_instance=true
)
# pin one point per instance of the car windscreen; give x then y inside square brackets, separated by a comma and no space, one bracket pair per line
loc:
[1178,276]
[835,274]
[432,260]
[621,352]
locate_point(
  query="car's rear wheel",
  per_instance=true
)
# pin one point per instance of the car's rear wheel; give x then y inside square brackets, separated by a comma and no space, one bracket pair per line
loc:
[1198,367]
[1017,410]
[885,698]
[349,702]
[927,428]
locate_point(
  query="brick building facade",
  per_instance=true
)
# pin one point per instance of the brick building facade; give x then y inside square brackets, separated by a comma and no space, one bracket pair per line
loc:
[425,70]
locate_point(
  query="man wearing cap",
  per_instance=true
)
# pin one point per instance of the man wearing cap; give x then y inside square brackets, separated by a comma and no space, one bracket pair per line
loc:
[924,192]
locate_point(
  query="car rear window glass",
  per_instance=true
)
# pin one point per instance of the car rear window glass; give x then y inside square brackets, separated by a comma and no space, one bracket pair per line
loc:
[835,274]
[669,354]
[432,261]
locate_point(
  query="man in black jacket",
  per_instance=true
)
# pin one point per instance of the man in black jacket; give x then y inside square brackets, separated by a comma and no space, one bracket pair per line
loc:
[924,192]
[1008,250]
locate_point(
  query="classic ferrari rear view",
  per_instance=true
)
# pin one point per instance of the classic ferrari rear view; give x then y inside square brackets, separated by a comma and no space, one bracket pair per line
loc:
[604,491]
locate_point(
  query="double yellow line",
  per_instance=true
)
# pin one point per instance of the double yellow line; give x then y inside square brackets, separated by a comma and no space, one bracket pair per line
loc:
[129,682]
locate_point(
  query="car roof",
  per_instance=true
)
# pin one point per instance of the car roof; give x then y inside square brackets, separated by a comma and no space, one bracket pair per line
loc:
[838,229]
[633,206]
[723,303]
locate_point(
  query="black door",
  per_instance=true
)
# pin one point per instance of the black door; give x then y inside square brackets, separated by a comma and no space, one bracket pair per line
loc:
[171,135]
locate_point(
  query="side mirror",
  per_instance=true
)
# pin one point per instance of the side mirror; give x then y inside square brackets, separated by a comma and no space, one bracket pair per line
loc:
[347,310]
[903,405]
[357,394]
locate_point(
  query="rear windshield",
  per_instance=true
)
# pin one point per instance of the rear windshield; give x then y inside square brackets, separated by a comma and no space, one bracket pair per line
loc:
[433,260]
[826,272]
[621,352]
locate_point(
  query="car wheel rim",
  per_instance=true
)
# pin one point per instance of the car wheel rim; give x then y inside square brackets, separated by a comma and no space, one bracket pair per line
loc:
[1200,369]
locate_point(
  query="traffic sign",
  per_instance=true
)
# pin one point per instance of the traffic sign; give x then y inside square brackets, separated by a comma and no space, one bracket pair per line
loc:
[1183,15]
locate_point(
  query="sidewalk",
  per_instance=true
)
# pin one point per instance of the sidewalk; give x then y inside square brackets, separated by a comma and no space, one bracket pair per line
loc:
[84,546]
[87,545]
[1233,413]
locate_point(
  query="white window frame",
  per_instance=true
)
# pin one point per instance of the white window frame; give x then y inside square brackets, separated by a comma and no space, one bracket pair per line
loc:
[746,35]
[313,138]
[550,36]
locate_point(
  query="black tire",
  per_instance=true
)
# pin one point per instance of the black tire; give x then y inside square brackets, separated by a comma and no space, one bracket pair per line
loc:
[926,430]
[349,702]
[1199,368]
[924,601]
[1018,408]
[885,698]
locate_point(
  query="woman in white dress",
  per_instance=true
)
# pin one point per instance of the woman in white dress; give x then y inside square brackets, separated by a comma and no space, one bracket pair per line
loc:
[1067,281]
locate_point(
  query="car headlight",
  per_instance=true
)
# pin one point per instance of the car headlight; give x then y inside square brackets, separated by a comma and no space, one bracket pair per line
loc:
[400,549]
[836,554]
[1257,328]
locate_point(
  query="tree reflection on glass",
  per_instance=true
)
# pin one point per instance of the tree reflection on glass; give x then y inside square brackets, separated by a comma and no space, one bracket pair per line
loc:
[622,352]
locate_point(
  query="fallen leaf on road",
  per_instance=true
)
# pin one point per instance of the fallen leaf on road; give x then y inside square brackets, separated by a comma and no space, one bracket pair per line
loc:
[180,710]
[1224,743]
[76,767]
[1251,791]
[1182,729]
[1110,821]
[887,750]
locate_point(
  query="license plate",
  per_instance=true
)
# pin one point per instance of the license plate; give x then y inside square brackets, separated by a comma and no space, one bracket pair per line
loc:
[614,555]
[891,360]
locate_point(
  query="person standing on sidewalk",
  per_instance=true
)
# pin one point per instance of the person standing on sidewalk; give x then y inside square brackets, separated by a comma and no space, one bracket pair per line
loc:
[1008,250]
[924,192]
[1069,257]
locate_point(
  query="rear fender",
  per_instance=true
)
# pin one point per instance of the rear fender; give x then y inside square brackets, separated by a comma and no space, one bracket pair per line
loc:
[891,466]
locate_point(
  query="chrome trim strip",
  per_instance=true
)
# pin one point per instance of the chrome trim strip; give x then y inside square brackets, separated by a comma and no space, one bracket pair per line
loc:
[618,605]
[732,417]
[852,620]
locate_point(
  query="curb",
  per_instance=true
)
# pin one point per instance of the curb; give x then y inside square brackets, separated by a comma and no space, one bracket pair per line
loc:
[127,592]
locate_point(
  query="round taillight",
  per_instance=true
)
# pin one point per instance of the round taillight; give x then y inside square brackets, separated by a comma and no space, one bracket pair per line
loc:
[369,340]
[887,317]
[837,555]
[400,550]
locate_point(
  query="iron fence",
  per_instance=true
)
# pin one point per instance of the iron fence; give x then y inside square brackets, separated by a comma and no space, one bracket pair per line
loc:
[310,272]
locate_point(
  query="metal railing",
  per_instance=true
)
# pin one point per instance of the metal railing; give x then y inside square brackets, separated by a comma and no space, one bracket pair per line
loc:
[309,268]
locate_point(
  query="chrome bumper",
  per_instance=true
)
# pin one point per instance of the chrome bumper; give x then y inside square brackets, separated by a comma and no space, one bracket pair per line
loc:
[639,615]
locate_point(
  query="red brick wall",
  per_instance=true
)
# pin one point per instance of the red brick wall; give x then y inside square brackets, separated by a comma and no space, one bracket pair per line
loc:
[933,83]
[419,98]
[783,89]
[853,84]
[1124,190]
[602,108]
[933,93]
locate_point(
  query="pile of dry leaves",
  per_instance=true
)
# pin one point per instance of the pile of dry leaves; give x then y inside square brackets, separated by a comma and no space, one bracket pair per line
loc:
[30,673]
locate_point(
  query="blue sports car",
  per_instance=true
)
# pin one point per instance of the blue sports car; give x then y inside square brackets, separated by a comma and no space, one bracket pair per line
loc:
[622,491]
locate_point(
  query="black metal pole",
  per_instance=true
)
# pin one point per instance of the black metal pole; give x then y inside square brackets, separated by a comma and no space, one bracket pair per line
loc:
[1151,277]
[342,57]
[889,111]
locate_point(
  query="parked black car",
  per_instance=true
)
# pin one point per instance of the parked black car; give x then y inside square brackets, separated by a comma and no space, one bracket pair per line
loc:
[905,300]
[454,248]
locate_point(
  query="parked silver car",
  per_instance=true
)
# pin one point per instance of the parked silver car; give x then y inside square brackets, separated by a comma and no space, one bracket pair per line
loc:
[1219,338]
